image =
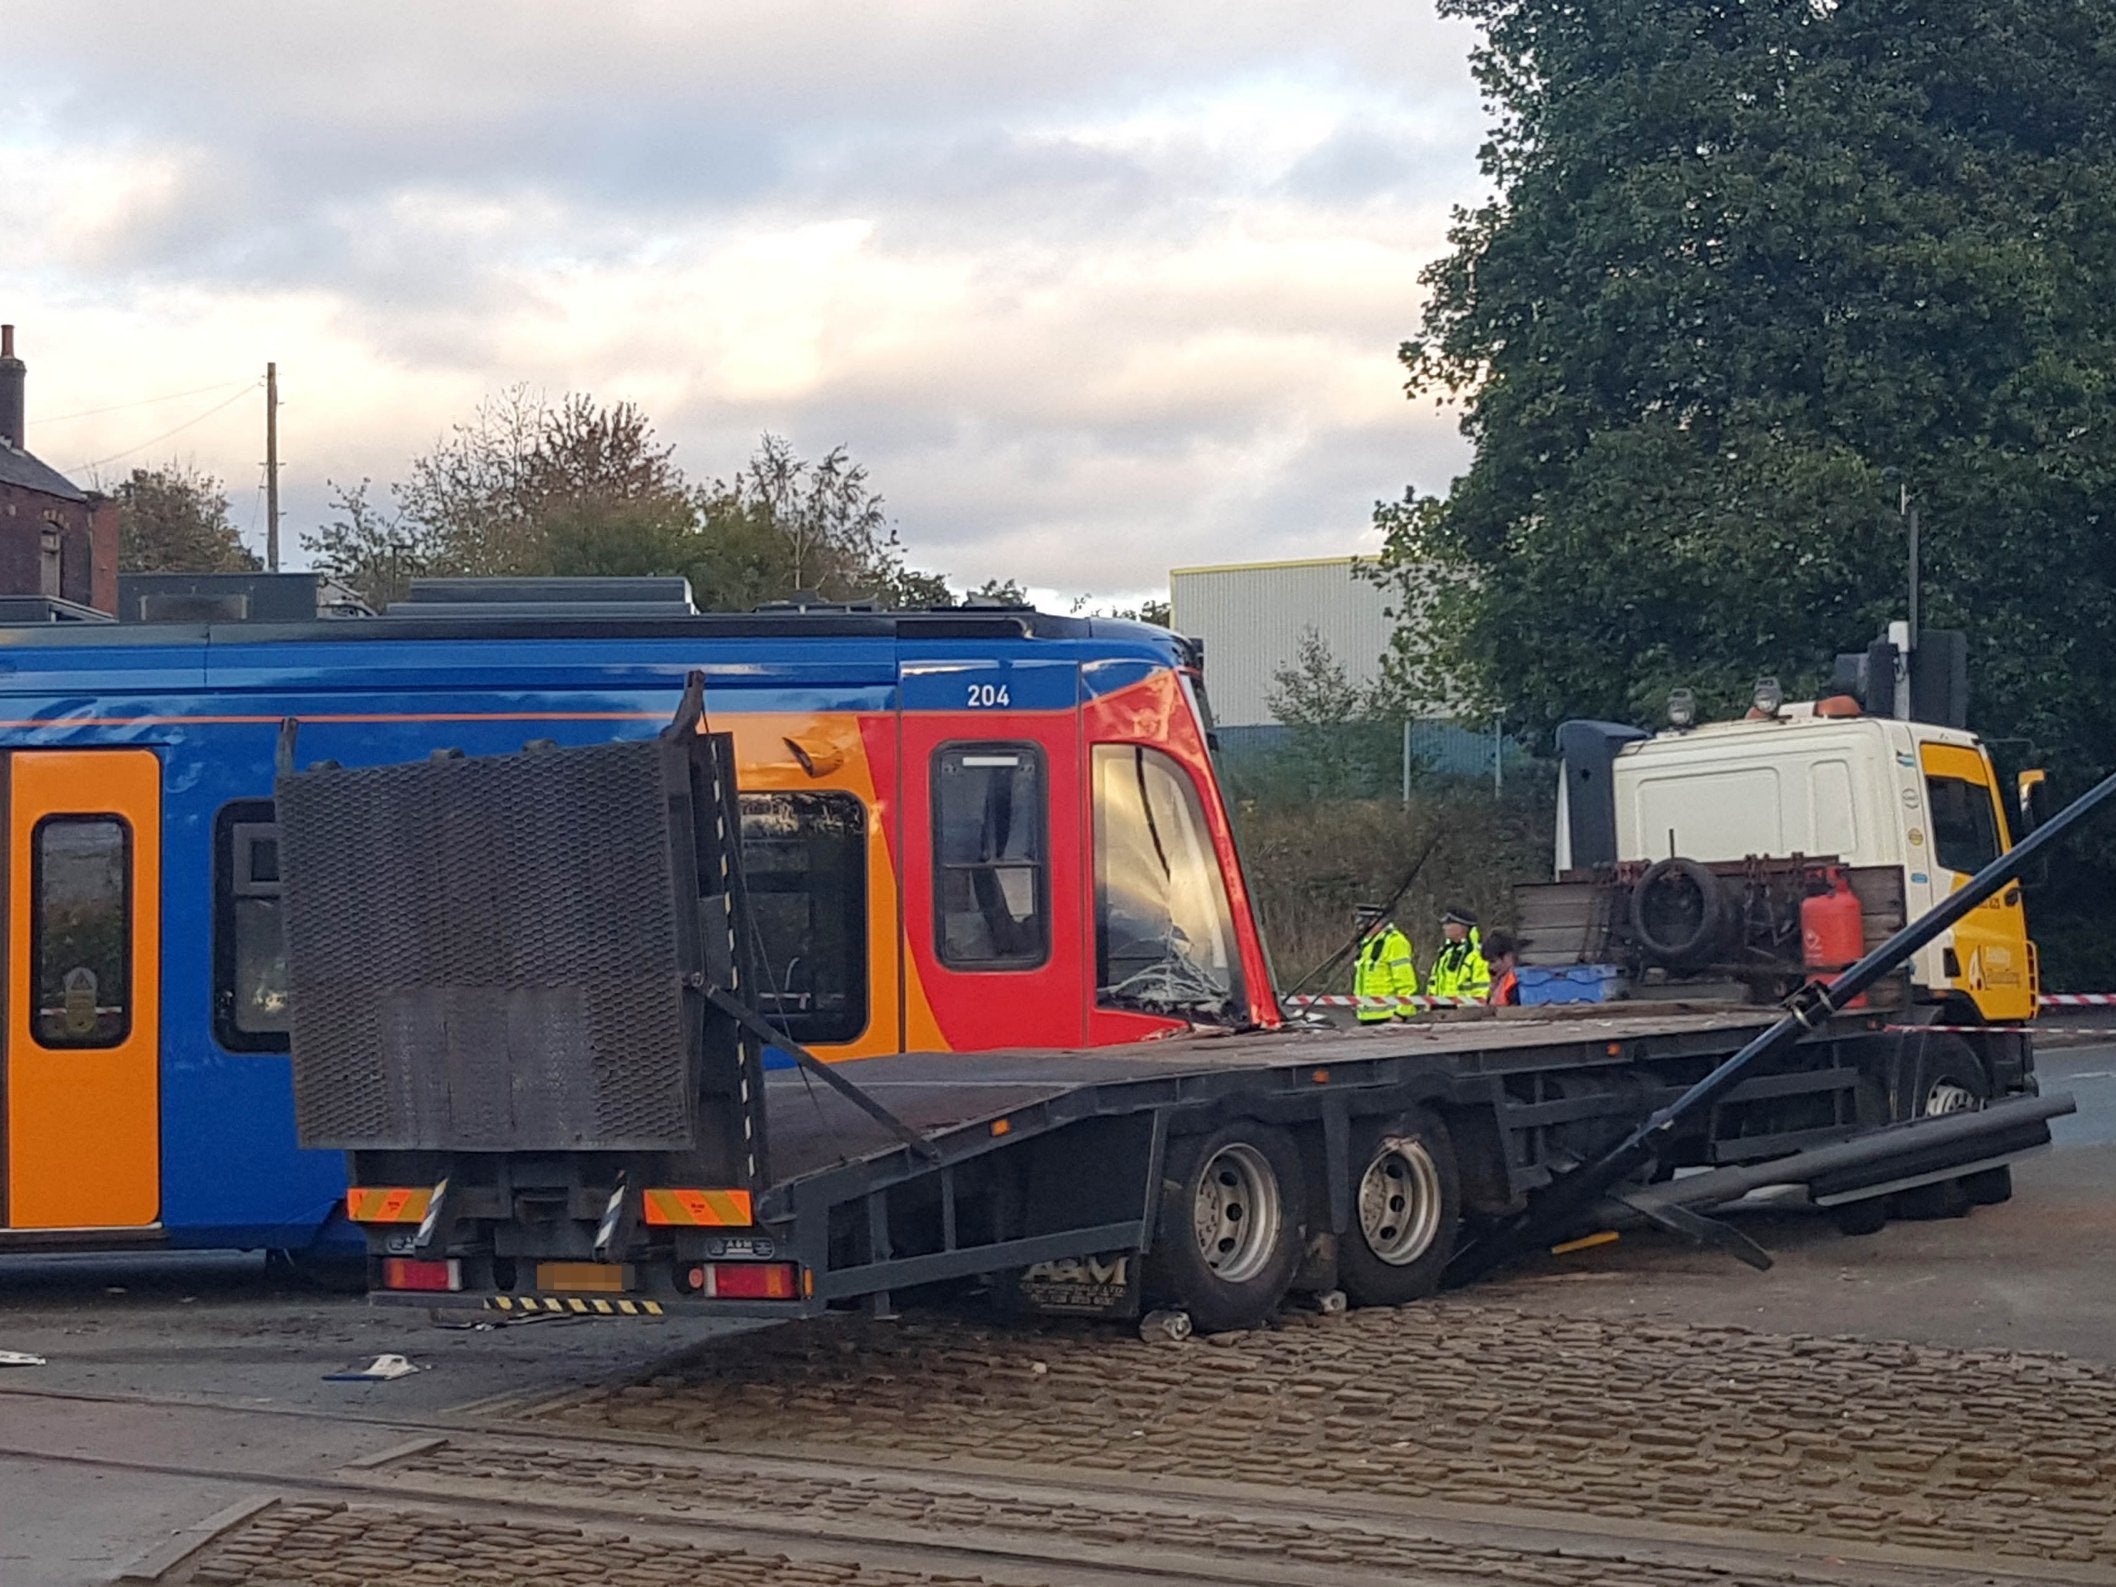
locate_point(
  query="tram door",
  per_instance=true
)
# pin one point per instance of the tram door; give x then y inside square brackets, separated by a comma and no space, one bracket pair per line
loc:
[81,1137]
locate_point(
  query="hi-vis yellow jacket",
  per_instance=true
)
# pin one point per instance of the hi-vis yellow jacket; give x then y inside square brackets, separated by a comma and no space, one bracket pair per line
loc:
[1459,969]
[1385,968]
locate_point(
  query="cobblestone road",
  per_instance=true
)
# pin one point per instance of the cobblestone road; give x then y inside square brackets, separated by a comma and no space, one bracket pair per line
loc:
[2004,1457]
[332,1545]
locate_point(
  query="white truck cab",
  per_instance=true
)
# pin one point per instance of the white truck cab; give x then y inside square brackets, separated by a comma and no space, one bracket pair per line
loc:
[1820,779]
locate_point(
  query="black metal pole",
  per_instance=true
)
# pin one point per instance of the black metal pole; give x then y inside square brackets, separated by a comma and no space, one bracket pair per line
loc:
[1552,1209]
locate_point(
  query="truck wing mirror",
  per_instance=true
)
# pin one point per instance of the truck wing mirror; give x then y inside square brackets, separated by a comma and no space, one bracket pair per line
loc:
[2032,789]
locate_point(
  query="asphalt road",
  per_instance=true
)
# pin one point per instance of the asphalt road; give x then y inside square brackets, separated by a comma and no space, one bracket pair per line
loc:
[2089,1073]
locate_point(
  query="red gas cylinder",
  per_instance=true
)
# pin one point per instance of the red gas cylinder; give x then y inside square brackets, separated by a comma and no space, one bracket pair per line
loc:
[1832,930]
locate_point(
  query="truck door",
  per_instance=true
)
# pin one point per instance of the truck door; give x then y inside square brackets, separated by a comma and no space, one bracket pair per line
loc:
[79,1054]
[1990,960]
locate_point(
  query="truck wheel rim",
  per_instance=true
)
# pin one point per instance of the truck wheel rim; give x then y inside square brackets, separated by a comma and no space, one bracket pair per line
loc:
[1399,1202]
[1947,1097]
[1236,1214]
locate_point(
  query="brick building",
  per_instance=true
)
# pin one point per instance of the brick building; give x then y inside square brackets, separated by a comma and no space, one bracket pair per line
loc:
[57,541]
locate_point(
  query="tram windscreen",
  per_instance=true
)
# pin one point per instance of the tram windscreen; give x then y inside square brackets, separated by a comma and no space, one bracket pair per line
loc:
[1164,934]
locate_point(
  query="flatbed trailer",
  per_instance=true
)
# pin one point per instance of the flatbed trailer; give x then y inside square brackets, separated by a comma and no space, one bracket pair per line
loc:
[503,1153]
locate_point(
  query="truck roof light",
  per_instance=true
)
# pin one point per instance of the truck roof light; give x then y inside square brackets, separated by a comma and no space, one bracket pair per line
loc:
[1769,697]
[1682,709]
[1838,705]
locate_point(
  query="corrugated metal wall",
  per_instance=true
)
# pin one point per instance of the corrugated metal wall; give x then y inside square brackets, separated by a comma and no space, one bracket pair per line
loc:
[1251,617]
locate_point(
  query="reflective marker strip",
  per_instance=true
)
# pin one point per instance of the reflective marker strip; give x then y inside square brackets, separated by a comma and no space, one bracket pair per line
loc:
[398,1204]
[710,1209]
[573,1305]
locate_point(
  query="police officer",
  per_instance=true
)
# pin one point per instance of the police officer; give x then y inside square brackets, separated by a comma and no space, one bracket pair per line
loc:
[1459,969]
[1385,966]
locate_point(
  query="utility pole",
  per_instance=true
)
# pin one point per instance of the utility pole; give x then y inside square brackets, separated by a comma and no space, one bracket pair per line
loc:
[271,468]
[1910,527]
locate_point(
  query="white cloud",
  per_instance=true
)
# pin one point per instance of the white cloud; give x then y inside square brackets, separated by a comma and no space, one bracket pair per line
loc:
[1091,290]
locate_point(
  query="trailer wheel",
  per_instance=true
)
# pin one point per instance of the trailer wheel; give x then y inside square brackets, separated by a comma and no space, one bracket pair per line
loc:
[1946,1078]
[1869,1216]
[1406,1207]
[1231,1227]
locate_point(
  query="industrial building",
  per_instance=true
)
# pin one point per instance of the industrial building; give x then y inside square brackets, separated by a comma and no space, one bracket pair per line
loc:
[1251,616]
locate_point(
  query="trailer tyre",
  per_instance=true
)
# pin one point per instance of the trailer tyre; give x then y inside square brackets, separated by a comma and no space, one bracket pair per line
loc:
[1406,1208]
[1232,1225]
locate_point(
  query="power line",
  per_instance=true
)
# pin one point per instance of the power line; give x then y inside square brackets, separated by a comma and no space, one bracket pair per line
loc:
[83,468]
[144,402]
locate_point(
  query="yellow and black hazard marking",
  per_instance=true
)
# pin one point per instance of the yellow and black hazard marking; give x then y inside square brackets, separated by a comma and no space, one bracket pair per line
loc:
[574,1305]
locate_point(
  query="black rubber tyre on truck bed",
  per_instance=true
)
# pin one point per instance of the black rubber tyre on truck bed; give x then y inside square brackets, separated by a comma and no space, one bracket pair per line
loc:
[1406,1208]
[1232,1226]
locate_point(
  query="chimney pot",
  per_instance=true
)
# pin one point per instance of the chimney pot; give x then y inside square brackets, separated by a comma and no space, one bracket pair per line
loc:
[7,341]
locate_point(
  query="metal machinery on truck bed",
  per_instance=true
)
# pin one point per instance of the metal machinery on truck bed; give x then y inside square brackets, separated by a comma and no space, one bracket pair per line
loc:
[525,994]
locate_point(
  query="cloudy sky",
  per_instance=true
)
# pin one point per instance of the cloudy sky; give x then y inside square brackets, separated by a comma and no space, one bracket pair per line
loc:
[1093,289]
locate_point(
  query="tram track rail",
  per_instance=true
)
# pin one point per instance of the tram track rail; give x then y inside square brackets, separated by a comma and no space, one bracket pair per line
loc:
[952,1521]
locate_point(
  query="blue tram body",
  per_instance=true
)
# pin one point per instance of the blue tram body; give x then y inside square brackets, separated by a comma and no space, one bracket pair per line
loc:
[148,1093]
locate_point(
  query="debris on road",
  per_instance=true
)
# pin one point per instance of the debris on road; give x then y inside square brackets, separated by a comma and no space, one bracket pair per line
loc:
[383,1369]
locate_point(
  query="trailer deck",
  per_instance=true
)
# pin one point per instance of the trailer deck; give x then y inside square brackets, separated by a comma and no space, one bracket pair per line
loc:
[814,1131]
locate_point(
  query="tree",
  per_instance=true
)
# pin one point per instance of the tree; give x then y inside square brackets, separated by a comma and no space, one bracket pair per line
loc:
[525,487]
[1154,609]
[815,528]
[1750,267]
[997,592]
[175,520]
[577,489]
[369,548]
[1346,737]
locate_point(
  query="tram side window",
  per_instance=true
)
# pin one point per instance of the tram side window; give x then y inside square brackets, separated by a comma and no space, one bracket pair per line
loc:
[249,934]
[991,865]
[1164,933]
[805,856]
[81,930]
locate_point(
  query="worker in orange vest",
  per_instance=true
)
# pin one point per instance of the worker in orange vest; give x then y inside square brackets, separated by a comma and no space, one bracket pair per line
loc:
[1502,953]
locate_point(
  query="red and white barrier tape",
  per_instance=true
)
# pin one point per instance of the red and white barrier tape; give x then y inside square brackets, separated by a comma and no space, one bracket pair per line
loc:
[1328,1000]
[1341,1000]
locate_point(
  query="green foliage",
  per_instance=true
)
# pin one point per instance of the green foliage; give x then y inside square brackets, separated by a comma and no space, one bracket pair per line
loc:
[581,490]
[1345,739]
[1751,266]
[997,592]
[175,520]
[825,529]
[1151,610]
[1310,863]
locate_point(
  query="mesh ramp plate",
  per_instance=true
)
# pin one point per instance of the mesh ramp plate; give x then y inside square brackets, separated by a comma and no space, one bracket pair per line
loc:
[484,953]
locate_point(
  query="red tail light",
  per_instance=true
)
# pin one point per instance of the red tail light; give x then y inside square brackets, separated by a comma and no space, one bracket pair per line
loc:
[744,1280]
[405,1272]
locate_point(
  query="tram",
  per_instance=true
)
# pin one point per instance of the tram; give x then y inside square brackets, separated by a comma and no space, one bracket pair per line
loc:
[963,830]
